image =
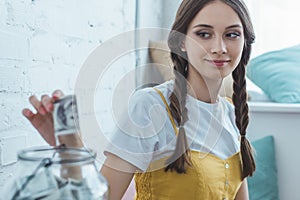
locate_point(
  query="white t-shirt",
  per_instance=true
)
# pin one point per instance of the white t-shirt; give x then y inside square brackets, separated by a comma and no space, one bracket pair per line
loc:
[145,133]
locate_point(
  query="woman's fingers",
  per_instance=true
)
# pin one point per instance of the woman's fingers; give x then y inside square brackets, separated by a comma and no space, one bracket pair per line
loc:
[43,106]
[27,113]
[37,105]
[57,94]
[47,103]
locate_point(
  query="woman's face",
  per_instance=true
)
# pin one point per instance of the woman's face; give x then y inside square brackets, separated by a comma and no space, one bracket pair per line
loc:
[214,41]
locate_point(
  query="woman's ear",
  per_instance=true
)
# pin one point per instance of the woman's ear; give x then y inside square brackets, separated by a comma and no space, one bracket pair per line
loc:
[182,47]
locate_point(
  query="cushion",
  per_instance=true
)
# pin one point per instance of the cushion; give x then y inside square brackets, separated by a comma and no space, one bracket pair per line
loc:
[263,183]
[277,74]
[255,93]
[160,55]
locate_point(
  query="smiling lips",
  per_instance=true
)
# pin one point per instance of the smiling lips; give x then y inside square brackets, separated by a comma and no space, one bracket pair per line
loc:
[219,63]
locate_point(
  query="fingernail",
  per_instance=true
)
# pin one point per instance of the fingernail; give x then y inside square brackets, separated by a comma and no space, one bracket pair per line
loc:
[55,97]
[28,113]
[56,93]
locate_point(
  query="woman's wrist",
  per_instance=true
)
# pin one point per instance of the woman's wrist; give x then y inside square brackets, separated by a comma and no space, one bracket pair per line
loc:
[71,140]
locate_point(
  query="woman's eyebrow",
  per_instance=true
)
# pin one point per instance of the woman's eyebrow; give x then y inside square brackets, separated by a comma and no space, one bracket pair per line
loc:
[234,26]
[210,26]
[203,25]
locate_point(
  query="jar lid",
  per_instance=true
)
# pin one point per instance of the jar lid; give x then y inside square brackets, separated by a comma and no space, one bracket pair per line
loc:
[58,155]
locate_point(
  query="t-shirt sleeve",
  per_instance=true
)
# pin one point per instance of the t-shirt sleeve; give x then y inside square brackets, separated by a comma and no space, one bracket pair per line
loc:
[140,129]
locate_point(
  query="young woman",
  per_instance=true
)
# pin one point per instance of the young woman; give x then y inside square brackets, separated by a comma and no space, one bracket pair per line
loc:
[194,148]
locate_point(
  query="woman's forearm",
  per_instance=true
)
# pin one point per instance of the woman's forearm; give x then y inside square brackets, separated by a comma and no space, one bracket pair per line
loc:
[242,194]
[118,174]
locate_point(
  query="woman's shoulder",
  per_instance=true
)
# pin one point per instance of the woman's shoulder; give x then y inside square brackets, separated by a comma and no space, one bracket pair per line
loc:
[149,95]
[227,102]
[230,110]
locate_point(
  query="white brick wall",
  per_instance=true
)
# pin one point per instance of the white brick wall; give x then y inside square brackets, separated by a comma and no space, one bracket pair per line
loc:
[43,43]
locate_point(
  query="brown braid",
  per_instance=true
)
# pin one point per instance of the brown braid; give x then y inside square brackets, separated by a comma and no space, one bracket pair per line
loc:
[242,120]
[180,157]
[239,89]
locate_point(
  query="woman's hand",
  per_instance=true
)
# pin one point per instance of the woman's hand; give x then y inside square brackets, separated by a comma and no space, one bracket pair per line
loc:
[42,120]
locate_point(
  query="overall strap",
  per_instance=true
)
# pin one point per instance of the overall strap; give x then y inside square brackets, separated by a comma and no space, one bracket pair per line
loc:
[168,109]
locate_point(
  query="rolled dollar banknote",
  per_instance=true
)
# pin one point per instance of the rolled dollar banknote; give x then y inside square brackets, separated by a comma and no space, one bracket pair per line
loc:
[65,116]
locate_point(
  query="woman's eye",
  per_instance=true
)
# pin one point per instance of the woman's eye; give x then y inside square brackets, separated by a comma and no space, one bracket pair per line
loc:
[233,35]
[203,34]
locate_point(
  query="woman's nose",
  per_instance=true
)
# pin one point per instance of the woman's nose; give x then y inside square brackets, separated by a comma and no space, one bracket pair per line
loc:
[218,46]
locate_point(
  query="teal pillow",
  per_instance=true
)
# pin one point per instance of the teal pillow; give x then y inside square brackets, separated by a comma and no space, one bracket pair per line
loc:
[277,73]
[263,184]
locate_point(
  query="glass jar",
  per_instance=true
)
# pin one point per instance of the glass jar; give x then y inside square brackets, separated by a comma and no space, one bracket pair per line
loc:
[51,173]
